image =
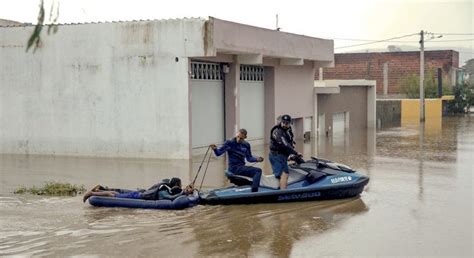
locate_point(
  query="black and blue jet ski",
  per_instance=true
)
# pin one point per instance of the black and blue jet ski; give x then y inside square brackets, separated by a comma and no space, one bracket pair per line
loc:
[315,179]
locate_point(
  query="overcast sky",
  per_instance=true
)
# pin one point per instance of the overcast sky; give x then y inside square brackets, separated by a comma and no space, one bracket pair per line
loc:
[332,19]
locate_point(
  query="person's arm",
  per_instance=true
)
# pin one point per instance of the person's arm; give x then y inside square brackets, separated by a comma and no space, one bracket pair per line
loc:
[188,190]
[221,149]
[283,144]
[290,132]
[249,156]
[164,195]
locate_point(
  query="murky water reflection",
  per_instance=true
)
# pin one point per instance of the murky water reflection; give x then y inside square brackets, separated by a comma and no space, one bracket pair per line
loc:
[418,202]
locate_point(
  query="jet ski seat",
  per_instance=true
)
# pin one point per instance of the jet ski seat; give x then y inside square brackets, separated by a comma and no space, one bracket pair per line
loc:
[272,182]
[269,181]
[238,180]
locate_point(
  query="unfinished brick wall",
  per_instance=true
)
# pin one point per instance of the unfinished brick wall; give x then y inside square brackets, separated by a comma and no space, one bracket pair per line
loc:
[369,66]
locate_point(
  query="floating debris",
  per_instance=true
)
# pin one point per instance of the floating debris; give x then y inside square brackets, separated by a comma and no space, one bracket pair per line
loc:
[53,188]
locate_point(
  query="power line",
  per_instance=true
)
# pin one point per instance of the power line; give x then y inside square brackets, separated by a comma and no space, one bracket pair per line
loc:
[453,33]
[407,41]
[453,40]
[378,41]
[368,40]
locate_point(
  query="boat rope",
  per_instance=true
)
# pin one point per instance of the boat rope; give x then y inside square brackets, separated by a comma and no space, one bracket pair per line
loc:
[202,162]
[205,170]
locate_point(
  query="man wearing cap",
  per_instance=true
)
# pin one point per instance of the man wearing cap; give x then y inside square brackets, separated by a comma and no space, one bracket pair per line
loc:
[238,151]
[281,147]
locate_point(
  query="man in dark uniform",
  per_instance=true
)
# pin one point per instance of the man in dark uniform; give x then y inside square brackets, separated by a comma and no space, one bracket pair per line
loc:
[281,147]
[238,151]
[165,190]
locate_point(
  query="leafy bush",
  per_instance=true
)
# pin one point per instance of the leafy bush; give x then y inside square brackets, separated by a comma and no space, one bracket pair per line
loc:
[410,86]
[463,98]
[53,188]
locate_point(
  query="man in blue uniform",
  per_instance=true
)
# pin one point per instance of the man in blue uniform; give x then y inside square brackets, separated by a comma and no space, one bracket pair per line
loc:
[281,147]
[238,150]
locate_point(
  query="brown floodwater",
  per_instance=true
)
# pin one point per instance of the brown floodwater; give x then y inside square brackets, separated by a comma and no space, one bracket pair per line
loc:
[419,202]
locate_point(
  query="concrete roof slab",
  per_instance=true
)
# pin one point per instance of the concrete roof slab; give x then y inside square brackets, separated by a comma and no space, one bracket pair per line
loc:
[231,37]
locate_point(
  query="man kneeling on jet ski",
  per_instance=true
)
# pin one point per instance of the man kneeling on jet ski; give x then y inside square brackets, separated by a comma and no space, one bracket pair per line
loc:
[167,189]
[238,150]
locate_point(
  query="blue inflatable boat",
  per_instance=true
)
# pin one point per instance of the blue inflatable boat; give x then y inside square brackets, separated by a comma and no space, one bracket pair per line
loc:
[179,203]
[316,179]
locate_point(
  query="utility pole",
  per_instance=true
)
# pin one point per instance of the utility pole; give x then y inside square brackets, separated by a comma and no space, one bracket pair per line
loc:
[422,76]
[277,27]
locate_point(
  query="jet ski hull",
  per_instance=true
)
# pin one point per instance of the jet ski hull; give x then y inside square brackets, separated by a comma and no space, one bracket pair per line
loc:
[338,186]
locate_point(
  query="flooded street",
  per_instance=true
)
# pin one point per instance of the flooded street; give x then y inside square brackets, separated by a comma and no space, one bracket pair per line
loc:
[419,202]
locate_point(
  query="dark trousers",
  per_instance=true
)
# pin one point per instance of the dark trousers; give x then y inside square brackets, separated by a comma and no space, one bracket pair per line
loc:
[253,172]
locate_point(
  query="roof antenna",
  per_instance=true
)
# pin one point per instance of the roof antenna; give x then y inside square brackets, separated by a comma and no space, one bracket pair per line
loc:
[277,28]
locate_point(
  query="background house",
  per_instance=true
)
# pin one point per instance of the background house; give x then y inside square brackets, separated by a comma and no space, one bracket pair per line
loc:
[390,69]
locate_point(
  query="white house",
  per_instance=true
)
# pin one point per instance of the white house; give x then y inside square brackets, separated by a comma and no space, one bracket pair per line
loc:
[152,89]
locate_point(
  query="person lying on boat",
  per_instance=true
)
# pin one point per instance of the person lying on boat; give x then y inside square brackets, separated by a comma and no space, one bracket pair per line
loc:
[167,189]
[281,147]
[238,150]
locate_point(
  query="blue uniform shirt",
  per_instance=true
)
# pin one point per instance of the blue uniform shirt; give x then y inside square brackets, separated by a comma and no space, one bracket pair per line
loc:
[237,152]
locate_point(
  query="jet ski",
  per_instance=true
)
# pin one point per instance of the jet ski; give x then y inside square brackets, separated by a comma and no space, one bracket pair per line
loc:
[315,179]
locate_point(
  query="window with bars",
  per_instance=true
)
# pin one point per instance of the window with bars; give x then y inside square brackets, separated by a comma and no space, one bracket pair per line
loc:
[251,73]
[206,71]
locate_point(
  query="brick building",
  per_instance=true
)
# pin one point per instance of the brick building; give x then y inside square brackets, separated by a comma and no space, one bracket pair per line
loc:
[389,69]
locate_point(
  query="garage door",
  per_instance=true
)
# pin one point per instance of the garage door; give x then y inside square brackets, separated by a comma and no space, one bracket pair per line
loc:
[338,123]
[252,101]
[207,104]
[322,124]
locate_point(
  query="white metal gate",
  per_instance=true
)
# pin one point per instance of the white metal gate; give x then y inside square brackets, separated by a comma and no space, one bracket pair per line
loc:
[338,123]
[207,104]
[322,124]
[252,101]
[307,124]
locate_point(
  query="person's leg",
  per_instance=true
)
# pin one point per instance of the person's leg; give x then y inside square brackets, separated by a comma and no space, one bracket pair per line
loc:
[129,195]
[275,161]
[257,175]
[97,188]
[283,181]
[98,193]
[286,172]
[253,172]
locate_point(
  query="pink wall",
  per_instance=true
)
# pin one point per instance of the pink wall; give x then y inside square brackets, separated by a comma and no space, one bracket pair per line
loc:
[288,90]
[294,90]
[231,113]
[269,99]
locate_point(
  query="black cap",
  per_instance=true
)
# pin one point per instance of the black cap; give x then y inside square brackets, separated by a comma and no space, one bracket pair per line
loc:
[286,118]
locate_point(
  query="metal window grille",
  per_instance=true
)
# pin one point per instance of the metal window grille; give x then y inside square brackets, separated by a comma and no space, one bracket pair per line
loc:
[251,73]
[206,71]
